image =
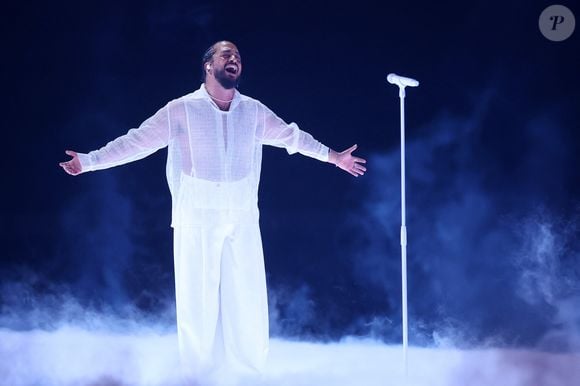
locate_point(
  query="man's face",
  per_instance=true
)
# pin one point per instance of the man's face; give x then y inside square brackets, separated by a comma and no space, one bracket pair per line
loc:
[227,65]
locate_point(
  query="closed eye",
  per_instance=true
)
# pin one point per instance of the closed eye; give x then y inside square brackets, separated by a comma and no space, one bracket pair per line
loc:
[226,56]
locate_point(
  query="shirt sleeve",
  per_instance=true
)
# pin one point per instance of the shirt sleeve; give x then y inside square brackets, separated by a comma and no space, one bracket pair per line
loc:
[278,133]
[150,136]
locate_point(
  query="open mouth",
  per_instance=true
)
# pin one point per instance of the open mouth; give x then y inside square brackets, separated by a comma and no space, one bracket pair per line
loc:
[232,69]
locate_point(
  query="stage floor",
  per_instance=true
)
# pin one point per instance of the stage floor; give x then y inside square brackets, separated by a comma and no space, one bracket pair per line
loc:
[77,357]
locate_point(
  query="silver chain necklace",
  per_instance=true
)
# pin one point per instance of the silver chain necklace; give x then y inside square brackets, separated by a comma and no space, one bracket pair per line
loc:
[217,99]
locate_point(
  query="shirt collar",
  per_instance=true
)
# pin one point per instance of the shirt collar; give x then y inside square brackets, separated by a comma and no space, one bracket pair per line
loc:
[202,93]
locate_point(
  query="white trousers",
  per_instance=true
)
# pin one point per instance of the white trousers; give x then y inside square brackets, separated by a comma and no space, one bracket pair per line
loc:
[221,300]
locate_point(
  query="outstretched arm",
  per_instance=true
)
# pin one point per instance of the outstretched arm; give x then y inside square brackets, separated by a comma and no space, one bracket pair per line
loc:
[73,166]
[347,162]
[276,132]
[150,136]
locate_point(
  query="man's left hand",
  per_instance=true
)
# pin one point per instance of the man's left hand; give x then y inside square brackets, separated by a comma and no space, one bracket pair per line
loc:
[347,162]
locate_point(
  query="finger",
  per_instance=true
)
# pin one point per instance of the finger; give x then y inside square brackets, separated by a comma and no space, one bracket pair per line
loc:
[70,152]
[361,160]
[349,170]
[351,149]
[360,167]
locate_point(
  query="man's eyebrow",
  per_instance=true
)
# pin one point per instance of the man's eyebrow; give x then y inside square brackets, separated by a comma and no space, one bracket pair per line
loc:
[229,51]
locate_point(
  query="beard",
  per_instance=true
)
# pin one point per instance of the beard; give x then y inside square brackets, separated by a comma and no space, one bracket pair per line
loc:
[225,81]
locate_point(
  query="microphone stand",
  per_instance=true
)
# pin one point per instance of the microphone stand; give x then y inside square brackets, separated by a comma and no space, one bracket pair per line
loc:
[402,83]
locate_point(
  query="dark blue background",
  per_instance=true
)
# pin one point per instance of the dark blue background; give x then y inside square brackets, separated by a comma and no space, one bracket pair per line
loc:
[492,158]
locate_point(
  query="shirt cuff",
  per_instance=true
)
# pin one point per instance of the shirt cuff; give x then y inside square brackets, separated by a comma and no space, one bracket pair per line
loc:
[325,152]
[85,161]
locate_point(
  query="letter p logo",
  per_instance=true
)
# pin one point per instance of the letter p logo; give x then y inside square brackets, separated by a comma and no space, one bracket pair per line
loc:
[557,23]
[557,20]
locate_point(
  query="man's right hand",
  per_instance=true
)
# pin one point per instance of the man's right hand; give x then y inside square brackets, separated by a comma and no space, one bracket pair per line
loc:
[73,166]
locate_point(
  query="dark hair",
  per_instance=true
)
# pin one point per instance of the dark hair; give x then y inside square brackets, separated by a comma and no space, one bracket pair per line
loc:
[207,56]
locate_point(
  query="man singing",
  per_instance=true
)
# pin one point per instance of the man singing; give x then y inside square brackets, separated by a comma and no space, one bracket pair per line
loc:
[214,138]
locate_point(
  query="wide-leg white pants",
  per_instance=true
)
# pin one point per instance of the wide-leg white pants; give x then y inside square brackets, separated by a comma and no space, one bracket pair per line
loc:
[222,311]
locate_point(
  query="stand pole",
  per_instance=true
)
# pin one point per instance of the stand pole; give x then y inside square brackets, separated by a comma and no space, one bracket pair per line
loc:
[403,82]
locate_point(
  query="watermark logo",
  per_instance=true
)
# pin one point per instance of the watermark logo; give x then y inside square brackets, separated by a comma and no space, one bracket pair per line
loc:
[557,23]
